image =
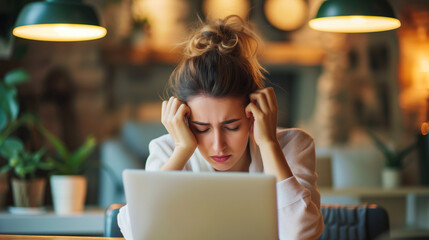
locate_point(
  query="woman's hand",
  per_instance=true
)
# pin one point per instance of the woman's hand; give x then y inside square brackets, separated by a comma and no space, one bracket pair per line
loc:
[173,117]
[263,108]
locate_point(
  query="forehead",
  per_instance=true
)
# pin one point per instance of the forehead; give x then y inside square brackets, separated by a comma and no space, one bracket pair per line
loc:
[210,109]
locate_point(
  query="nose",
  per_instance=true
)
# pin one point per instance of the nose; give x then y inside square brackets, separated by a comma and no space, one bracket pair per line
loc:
[219,144]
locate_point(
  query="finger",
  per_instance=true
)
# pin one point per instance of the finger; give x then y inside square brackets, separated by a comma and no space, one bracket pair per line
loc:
[253,110]
[261,100]
[163,110]
[174,107]
[167,109]
[179,117]
[183,111]
[271,98]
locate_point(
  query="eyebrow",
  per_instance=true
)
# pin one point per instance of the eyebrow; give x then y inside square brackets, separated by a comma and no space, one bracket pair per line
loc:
[223,123]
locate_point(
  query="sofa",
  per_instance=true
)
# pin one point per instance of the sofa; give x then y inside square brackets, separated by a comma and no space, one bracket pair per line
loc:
[129,150]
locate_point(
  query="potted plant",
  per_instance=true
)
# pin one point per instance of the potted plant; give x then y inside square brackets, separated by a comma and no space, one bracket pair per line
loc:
[28,185]
[68,184]
[391,175]
[9,110]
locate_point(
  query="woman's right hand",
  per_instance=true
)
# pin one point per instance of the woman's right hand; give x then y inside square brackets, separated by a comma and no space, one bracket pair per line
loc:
[173,117]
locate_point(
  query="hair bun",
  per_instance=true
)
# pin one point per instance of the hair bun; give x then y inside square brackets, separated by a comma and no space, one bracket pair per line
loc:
[220,59]
[221,34]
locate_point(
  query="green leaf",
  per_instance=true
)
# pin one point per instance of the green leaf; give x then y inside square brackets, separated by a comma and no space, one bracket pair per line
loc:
[14,161]
[4,100]
[30,168]
[13,106]
[79,157]
[63,169]
[16,76]
[59,146]
[20,171]
[47,166]
[388,154]
[8,102]
[12,126]
[11,147]
[38,155]
[3,119]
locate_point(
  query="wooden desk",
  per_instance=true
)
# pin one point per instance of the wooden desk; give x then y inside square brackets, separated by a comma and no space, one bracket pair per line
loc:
[36,237]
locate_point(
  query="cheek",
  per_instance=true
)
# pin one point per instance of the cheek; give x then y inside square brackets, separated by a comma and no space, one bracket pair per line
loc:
[203,140]
[239,139]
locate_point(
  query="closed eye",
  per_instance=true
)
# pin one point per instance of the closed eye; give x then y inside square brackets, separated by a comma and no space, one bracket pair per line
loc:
[232,129]
[201,131]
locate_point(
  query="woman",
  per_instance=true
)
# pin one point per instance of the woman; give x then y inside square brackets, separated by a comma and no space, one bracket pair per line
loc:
[222,119]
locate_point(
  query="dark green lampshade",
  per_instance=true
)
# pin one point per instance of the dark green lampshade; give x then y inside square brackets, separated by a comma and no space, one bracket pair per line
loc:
[355,16]
[58,20]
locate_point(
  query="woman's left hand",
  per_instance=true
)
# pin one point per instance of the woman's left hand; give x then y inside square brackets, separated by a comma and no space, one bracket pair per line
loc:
[263,108]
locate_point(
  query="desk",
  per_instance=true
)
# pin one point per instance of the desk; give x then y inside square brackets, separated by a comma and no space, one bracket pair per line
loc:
[33,237]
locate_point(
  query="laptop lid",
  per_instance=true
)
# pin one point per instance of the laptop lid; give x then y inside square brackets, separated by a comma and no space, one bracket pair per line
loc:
[186,205]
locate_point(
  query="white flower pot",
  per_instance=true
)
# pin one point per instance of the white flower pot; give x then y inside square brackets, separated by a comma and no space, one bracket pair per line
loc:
[391,177]
[68,193]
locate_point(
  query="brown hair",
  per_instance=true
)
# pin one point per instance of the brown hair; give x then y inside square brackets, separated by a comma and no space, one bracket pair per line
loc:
[219,60]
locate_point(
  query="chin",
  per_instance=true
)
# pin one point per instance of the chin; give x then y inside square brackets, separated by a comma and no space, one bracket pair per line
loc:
[221,167]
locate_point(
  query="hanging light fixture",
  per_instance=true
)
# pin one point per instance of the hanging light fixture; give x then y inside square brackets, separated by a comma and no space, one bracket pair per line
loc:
[58,20]
[353,16]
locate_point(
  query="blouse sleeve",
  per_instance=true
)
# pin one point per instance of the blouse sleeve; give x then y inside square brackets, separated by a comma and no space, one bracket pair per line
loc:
[124,223]
[298,197]
[160,150]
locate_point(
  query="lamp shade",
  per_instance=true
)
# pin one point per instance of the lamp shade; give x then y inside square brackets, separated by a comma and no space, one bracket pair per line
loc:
[352,16]
[58,20]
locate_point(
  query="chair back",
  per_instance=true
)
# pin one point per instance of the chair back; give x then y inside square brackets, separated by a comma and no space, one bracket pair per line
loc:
[111,228]
[366,222]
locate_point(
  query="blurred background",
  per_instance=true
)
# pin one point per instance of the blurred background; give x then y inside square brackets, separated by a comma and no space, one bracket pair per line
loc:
[339,87]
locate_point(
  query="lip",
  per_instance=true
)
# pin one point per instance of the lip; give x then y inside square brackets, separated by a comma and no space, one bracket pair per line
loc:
[221,158]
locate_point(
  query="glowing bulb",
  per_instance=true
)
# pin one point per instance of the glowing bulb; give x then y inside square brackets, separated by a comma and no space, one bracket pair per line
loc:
[354,24]
[60,32]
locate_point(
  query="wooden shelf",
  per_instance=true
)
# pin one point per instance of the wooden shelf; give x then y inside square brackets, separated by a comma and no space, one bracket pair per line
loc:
[126,55]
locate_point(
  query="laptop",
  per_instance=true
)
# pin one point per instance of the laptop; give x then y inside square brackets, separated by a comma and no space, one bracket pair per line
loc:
[187,205]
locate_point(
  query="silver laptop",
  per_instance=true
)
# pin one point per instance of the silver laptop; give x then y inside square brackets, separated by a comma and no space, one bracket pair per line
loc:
[185,205]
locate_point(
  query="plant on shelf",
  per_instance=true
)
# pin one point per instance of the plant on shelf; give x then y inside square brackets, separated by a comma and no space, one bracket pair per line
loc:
[67,182]
[27,185]
[394,161]
[67,162]
[23,164]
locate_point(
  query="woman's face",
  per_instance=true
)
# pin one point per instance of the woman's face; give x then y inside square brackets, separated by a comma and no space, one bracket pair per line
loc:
[222,131]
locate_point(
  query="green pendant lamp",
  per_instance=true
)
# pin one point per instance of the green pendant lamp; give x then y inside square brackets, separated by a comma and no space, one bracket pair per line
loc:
[354,16]
[58,20]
